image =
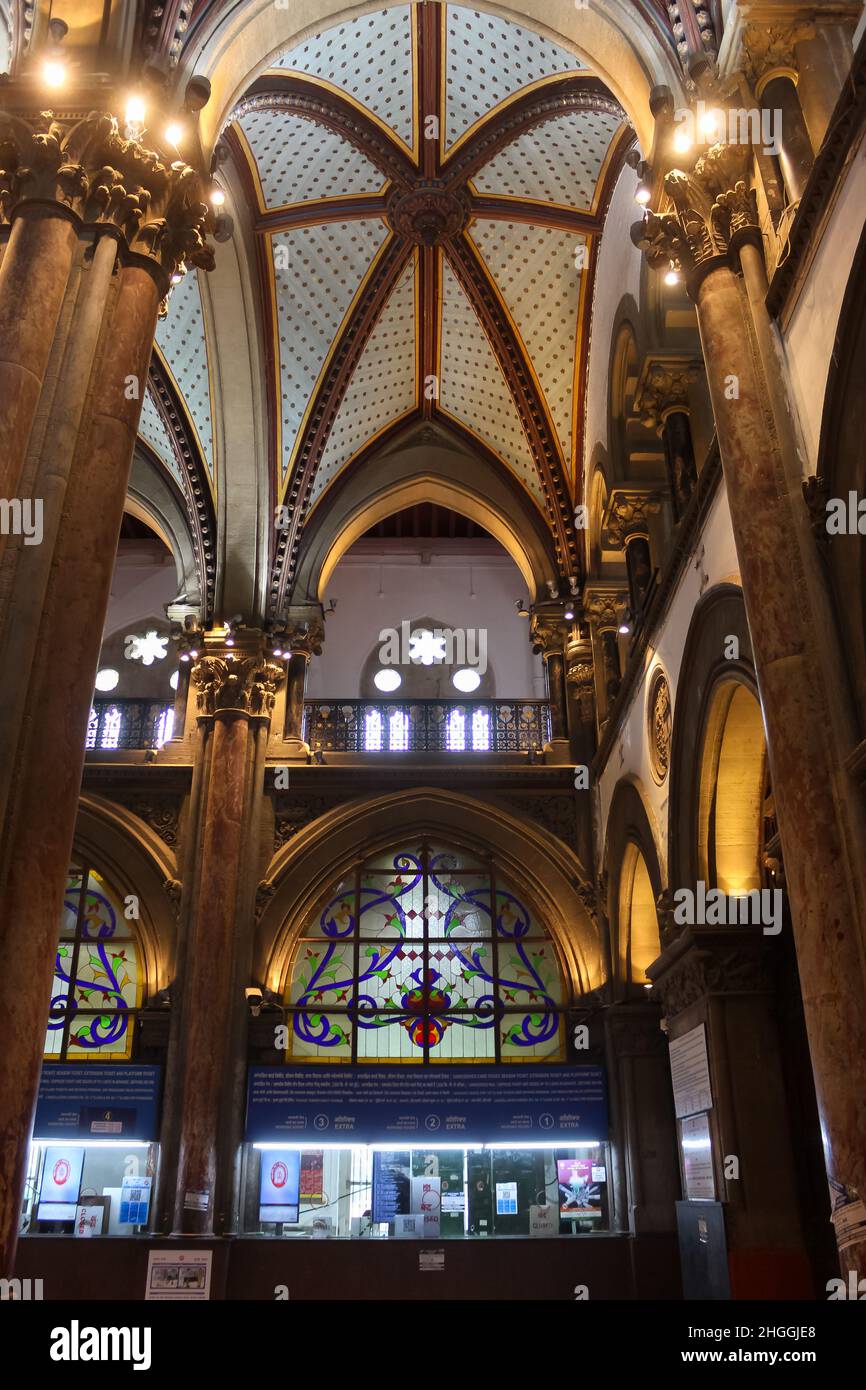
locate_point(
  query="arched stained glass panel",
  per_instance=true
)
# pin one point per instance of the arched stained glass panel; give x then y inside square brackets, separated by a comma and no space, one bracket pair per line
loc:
[428,955]
[97,979]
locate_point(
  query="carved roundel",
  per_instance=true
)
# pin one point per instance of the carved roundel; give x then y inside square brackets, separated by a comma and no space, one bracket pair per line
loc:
[428,214]
[659,721]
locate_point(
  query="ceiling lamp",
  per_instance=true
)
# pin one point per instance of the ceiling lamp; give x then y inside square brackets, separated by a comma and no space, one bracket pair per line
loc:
[466,680]
[107,678]
[387,680]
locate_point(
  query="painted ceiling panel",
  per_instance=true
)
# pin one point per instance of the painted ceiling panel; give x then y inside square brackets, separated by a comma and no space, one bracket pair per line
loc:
[297,160]
[539,273]
[316,279]
[383,386]
[558,162]
[489,59]
[181,339]
[154,432]
[472,387]
[370,59]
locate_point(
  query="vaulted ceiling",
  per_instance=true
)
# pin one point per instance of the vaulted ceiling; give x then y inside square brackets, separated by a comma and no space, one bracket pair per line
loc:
[427,187]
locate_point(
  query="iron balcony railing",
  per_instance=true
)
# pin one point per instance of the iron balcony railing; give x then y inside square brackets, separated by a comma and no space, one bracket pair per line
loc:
[129,724]
[426,726]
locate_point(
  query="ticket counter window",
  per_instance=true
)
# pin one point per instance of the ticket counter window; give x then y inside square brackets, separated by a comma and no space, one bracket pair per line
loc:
[87,1190]
[371,1192]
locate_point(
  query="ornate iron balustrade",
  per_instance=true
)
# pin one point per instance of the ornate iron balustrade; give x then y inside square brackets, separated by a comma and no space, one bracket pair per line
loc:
[426,726]
[129,724]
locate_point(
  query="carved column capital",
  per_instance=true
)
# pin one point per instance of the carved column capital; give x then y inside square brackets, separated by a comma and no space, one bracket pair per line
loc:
[304,636]
[705,961]
[628,513]
[237,684]
[100,177]
[769,49]
[713,211]
[663,387]
[548,630]
[602,605]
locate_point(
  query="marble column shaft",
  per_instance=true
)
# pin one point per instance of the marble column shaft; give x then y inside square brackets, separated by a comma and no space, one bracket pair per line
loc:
[815,811]
[33,278]
[207,1002]
[46,777]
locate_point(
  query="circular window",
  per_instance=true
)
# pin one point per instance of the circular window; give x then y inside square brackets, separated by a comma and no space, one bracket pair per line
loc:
[107,678]
[466,680]
[387,680]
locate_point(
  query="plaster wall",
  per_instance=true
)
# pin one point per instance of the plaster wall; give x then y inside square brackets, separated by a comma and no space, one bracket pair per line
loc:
[809,336]
[618,273]
[461,584]
[714,562]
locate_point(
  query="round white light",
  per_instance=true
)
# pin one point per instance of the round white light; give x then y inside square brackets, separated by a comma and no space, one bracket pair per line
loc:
[107,678]
[466,680]
[217,197]
[53,73]
[135,111]
[682,142]
[174,133]
[387,680]
[173,680]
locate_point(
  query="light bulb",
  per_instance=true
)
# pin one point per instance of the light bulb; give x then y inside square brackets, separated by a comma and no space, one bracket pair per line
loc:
[682,142]
[642,193]
[54,73]
[217,197]
[173,133]
[672,276]
[135,111]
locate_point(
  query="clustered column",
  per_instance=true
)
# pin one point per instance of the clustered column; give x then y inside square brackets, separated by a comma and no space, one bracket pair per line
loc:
[235,692]
[711,232]
[96,228]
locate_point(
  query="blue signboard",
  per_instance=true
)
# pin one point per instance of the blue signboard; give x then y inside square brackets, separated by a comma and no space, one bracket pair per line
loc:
[381,1104]
[89,1101]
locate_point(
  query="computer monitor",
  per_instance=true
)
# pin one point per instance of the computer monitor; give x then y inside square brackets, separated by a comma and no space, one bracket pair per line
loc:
[279,1188]
[60,1183]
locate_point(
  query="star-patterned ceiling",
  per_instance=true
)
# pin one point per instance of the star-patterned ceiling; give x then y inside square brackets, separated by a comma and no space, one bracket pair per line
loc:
[426,187]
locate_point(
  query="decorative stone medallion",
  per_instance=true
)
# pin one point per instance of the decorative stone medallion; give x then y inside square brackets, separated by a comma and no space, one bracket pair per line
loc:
[659,721]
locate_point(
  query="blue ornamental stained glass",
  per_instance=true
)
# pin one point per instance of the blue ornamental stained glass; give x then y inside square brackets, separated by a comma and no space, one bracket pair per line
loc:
[97,983]
[426,956]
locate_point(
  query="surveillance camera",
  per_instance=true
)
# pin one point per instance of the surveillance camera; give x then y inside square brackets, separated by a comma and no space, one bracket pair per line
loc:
[254,1000]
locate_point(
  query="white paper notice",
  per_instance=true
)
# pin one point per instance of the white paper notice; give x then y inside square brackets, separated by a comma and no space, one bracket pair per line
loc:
[690,1073]
[178,1274]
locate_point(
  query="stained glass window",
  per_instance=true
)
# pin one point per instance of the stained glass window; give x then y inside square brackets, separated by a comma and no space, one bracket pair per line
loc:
[97,981]
[426,954]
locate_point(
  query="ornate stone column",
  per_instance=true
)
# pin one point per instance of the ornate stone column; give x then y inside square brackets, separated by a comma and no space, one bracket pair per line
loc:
[710,229]
[723,978]
[122,223]
[547,633]
[628,527]
[303,638]
[810,46]
[662,402]
[604,606]
[643,1121]
[580,688]
[235,692]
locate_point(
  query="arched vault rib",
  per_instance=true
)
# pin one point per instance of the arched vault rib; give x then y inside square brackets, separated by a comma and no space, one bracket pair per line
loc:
[531,406]
[297,96]
[555,99]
